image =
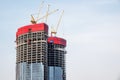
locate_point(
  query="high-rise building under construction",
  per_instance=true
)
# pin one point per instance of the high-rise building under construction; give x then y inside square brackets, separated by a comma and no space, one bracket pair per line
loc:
[56,58]
[39,56]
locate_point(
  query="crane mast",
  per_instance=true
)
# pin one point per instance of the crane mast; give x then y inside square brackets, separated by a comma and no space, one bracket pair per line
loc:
[54,31]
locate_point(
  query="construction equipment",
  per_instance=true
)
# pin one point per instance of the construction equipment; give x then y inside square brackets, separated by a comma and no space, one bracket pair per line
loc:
[54,31]
[47,13]
[41,6]
[35,20]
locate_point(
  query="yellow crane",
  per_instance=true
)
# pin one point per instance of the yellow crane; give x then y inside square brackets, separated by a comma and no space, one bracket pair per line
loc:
[34,21]
[47,12]
[41,6]
[53,30]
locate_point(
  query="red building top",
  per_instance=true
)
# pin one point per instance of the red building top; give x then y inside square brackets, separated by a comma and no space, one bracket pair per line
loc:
[32,28]
[57,40]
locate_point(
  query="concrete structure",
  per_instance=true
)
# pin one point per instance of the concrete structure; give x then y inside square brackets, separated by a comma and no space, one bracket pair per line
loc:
[31,60]
[39,57]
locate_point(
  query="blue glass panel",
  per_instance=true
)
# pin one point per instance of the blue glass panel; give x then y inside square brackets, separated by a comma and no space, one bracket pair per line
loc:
[55,73]
[33,71]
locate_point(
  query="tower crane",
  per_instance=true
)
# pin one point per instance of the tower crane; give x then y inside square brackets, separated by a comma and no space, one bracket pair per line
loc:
[34,21]
[53,30]
[41,6]
[47,13]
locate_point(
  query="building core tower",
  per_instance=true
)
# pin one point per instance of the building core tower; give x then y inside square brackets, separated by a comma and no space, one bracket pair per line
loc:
[31,58]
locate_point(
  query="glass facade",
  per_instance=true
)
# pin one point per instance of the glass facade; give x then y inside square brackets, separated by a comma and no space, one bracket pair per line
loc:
[32,71]
[56,61]
[37,56]
[55,73]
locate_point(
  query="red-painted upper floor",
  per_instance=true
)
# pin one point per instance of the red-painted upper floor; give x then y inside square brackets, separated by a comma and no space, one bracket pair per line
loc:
[32,28]
[57,40]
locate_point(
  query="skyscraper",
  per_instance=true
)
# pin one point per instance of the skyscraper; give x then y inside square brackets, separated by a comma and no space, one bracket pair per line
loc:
[31,58]
[56,58]
[39,57]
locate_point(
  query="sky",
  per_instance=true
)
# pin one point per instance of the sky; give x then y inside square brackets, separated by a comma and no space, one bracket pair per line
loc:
[91,28]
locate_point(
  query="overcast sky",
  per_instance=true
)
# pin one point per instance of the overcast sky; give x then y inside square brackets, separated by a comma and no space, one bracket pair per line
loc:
[91,28]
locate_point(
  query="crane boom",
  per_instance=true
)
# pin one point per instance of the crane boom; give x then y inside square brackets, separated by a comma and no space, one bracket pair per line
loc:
[33,20]
[38,17]
[59,21]
[47,14]
[41,6]
[54,31]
